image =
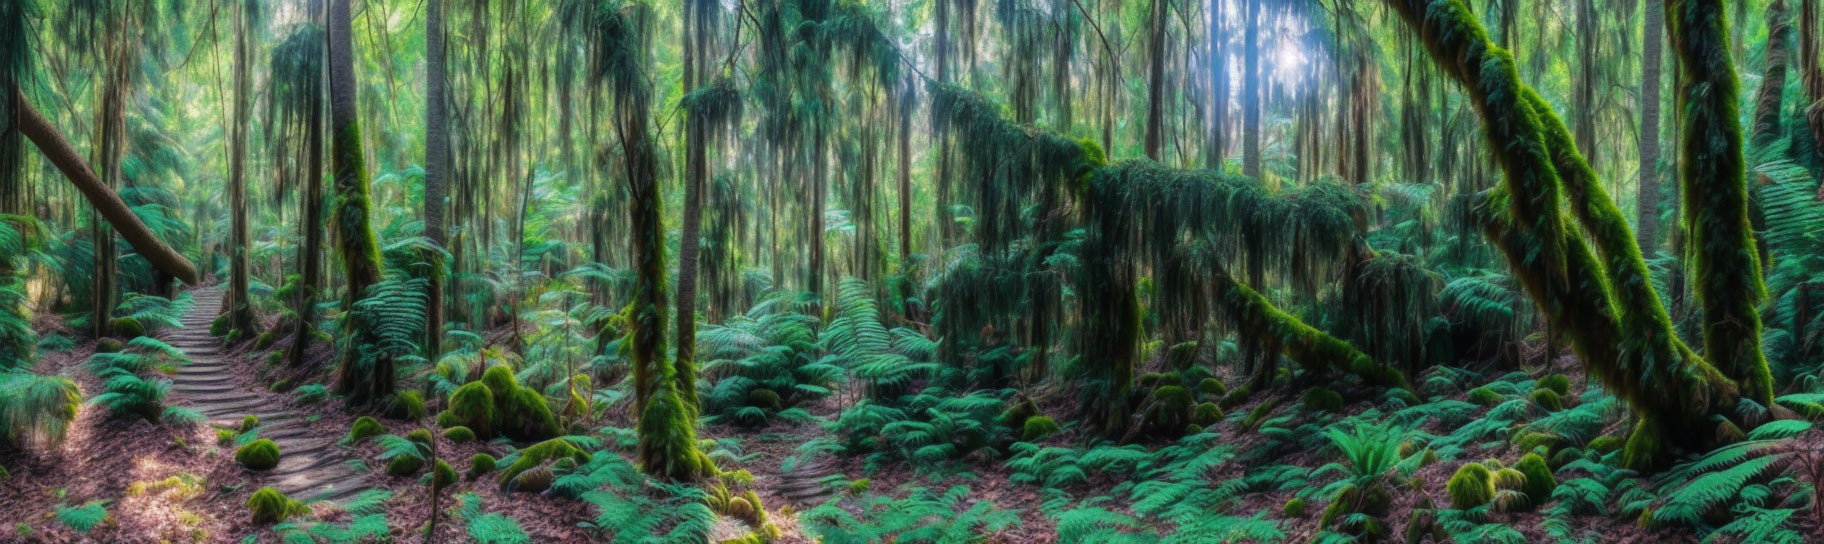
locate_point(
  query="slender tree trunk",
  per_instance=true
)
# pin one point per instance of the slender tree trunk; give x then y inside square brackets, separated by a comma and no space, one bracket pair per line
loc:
[1250,93]
[436,168]
[1217,141]
[241,318]
[1155,89]
[1583,104]
[1765,127]
[696,172]
[1652,54]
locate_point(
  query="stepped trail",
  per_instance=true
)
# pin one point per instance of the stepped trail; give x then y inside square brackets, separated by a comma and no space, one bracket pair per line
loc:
[310,466]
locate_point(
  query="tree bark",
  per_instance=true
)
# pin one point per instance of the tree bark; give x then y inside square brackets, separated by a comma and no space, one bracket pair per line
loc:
[241,318]
[1651,62]
[1250,92]
[106,202]
[1155,88]
[1219,91]
[436,165]
[360,252]
[696,170]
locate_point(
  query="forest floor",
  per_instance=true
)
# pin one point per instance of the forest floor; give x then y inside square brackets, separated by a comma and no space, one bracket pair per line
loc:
[169,483]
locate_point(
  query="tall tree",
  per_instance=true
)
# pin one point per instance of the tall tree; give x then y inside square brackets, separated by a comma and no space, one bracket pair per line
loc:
[1155,89]
[1651,61]
[361,382]
[1216,142]
[436,161]
[1250,91]
[240,318]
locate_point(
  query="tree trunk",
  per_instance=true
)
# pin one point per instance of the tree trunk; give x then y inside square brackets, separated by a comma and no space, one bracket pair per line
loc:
[1250,92]
[1583,103]
[1155,88]
[1765,125]
[1652,45]
[696,170]
[1215,145]
[241,318]
[107,203]
[436,166]
[360,252]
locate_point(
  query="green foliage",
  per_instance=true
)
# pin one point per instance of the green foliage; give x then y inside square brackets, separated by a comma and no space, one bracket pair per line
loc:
[270,506]
[471,406]
[1547,399]
[1318,399]
[922,517]
[258,455]
[311,393]
[1485,396]
[1038,428]
[1539,483]
[83,518]
[459,434]
[1294,508]
[480,464]
[760,366]
[1557,383]
[404,465]
[36,410]
[537,454]
[405,405]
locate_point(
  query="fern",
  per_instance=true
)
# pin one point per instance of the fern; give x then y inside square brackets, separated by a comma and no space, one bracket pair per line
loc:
[36,410]
[83,518]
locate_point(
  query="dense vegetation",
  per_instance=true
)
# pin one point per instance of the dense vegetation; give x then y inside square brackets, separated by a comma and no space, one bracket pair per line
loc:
[911,270]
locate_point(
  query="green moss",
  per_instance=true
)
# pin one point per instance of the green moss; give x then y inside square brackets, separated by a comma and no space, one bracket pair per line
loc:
[765,398]
[1470,487]
[1015,416]
[1211,388]
[858,487]
[404,465]
[1193,429]
[442,474]
[1294,508]
[269,506]
[260,455]
[472,406]
[1539,442]
[1038,428]
[1539,480]
[1235,397]
[363,429]
[499,380]
[537,454]
[421,436]
[535,480]
[1257,415]
[1558,383]
[108,345]
[480,465]
[226,436]
[1645,450]
[1319,399]
[459,434]
[1206,414]
[219,328]
[404,405]
[526,416]
[1406,396]
[668,438]
[126,327]
[1548,399]
[249,422]
[1169,411]
[1604,444]
[1483,396]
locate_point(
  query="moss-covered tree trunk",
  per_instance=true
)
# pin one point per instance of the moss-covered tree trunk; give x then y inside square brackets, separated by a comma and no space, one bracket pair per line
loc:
[354,233]
[1767,102]
[696,170]
[1713,175]
[1651,59]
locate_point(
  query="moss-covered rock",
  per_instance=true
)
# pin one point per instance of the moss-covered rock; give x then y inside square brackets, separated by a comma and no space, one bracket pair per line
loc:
[1038,428]
[404,465]
[1206,414]
[1539,442]
[1471,486]
[1605,444]
[260,454]
[1169,411]
[534,480]
[1483,396]
[499,380]
[442,474]
[1539,480]
[1558,383]
[1016,414]
[363,429]
[126,327]
[1294,508]
[537,454]
[472,406]
[1257,415]
[1319,399]
[404,405]
[269,506]
[1235,397]
[459,434]
[249,422]
[421,436]
[527,416]
[1211,388]
[109,345]
[480,465]
[1547,399]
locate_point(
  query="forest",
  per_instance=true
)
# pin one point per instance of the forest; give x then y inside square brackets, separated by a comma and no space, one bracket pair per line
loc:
[911,271]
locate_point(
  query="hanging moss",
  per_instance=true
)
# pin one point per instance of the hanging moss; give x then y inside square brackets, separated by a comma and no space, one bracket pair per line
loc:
[259,455]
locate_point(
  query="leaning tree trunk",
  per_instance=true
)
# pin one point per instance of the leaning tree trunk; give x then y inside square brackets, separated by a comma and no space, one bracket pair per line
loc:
[355,236]
[107,203]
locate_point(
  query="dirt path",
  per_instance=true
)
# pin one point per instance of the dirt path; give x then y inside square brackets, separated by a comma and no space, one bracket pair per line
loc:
[310,466]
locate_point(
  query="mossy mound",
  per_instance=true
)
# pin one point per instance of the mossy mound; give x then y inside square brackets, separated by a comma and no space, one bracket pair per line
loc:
[404,465]
[1605,444]
[404,405]
[480,465]
[1038,428]
[471,406]
[126,327]
[1257,415]
[260,454]
[535,480]
[1483,396]
[270,506]
[1169,411]
[1211,388]
[421,436]
[1547,399]
[1235,397]
[766,399]
[1557,383]
[527,416]
[1537,441]
[1471,486]
[1206,414]
[248,423]
[537,454]
[109,345]
[1539,480]
[442,474]
[364,428]
[1015,416]
[1319,399]
[459,434]
[1294,508]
